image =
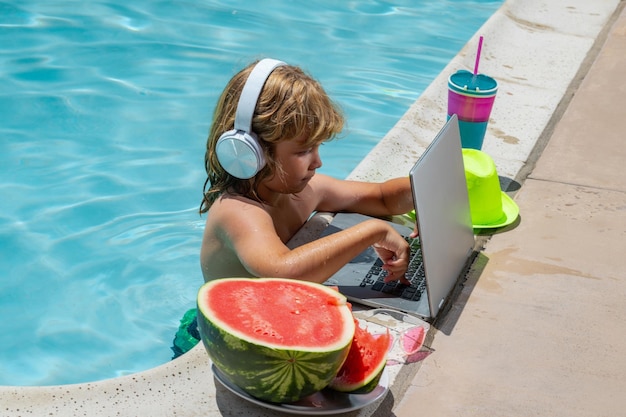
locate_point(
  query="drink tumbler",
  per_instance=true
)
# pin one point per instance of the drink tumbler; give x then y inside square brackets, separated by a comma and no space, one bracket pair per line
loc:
[471,97]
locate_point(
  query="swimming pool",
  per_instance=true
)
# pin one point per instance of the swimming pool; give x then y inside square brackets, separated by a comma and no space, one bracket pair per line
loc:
[104,109]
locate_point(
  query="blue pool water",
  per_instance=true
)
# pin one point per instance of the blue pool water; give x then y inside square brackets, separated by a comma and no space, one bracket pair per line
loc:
[104,110]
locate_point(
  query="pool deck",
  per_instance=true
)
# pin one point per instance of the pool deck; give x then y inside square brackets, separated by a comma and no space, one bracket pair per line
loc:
[538,326]
[540,330]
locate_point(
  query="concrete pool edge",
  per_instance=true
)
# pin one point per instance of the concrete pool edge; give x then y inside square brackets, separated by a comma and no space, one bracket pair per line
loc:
[186,386]
[520,40]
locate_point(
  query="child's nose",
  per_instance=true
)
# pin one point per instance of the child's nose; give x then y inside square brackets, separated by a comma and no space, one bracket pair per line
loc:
[317,160]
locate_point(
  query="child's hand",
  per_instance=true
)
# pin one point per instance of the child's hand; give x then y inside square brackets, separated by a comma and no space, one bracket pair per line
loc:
[394,252]
[393,277]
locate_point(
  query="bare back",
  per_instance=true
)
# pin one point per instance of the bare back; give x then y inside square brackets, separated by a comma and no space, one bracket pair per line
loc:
[235,221]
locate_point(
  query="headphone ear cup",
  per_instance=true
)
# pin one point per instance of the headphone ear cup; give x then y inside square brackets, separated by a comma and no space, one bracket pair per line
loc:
[240,154]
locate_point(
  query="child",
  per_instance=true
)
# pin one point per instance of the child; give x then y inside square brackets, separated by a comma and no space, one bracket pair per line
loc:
[280,122]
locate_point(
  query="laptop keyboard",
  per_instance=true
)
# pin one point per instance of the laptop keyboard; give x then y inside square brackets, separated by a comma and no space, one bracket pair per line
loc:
[415,274]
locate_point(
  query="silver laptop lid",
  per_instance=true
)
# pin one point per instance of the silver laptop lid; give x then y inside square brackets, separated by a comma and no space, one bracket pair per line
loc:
[442,212]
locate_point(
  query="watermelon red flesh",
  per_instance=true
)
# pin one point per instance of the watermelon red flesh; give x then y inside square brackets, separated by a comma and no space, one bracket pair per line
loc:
[365,363]
[277,339]
[279,312]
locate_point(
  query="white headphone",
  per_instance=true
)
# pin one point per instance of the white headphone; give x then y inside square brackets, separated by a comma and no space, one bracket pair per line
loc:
[238,150]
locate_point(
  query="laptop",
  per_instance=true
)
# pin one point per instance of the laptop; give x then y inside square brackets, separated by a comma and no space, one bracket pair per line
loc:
[445,246]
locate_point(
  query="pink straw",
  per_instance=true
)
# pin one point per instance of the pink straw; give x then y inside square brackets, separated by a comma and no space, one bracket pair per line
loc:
[480,47]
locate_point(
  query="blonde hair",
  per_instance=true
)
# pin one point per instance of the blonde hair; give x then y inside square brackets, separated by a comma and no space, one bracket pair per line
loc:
[292,105]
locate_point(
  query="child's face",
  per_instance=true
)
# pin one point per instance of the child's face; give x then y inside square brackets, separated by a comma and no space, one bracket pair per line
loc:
[298,162]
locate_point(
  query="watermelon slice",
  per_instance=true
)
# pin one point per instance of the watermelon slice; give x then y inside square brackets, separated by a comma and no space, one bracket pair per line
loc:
[365,363]
[279,340]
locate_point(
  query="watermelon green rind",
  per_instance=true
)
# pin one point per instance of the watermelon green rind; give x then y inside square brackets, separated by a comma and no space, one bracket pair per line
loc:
[365,364]
[370,386]
[269,372]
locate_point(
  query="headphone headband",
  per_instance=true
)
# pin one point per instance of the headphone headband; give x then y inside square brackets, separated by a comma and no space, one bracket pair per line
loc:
[251,92]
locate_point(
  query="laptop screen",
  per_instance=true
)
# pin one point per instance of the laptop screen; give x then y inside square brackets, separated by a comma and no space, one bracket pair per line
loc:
[442,212]
[446,234]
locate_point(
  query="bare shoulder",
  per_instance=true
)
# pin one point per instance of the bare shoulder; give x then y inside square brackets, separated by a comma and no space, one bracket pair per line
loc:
[231,226]
[234,211]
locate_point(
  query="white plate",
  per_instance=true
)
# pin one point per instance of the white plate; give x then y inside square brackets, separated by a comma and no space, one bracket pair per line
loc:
[323,402]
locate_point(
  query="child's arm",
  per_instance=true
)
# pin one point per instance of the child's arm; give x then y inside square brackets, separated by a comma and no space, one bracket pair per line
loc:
[387,198]
[248,230]
[374,199]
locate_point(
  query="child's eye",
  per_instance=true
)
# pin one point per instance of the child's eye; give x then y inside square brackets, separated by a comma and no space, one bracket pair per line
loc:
[308,150]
